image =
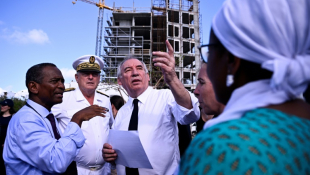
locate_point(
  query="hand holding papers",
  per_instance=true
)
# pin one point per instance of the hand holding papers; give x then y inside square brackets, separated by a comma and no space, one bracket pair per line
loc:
[129,149]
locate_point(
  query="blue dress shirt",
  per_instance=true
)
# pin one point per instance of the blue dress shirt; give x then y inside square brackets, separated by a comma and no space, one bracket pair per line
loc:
[30,146]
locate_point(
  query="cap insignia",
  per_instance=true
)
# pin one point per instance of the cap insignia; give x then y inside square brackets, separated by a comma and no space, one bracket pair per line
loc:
[91,60]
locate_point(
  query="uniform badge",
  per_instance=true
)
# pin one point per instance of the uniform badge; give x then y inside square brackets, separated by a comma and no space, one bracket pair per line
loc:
[92,60]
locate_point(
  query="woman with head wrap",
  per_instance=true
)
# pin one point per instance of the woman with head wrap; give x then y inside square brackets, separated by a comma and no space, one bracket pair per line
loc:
[259,65]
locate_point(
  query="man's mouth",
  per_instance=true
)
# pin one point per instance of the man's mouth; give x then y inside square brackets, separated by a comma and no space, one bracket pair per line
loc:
[136,81]
[60,94]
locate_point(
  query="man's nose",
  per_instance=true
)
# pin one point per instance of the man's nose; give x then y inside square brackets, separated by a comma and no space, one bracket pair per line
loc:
[61,85]
[134,72]
[90,76]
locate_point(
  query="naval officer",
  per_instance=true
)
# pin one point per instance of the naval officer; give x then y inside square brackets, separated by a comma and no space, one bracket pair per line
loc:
[96,130]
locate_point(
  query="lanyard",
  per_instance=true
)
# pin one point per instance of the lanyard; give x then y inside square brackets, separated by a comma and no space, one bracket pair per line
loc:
[43,119]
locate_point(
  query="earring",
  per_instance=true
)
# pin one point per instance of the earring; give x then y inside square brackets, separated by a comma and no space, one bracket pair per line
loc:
[229,80]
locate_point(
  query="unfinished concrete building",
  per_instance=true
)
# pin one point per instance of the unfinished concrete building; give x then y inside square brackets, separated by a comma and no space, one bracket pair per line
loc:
[138,32]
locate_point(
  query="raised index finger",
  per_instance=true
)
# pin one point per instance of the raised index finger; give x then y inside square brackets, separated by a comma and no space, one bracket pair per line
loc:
[170,48]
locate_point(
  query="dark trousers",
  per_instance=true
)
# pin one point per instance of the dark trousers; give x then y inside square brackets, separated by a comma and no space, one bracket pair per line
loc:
[2,167]
[71,170]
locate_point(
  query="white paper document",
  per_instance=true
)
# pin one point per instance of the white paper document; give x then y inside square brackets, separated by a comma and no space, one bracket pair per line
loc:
[129,149]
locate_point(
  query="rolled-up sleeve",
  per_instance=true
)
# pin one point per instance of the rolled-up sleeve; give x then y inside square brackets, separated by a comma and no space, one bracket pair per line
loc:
[183,115]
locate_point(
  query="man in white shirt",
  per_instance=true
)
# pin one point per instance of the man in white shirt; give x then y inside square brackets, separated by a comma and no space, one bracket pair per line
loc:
[96,130]
[158,113]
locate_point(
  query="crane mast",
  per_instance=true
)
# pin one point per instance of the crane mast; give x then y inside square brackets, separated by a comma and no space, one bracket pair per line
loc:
[99,33]
[101,6]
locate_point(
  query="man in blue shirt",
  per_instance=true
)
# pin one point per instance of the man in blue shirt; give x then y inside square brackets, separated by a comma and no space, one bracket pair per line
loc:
[33,144]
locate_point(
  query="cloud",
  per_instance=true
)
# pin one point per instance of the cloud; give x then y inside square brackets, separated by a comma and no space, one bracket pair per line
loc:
[6,89]
[68,74]
[33,36]
[4,30]
[2,91]
[22,94]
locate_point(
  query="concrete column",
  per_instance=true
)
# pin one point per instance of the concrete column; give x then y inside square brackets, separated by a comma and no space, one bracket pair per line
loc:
[197,36]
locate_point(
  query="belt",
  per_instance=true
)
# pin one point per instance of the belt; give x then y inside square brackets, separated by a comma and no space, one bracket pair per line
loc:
[91,168]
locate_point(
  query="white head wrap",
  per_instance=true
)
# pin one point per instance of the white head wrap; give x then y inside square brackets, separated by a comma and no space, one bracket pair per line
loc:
[273,33]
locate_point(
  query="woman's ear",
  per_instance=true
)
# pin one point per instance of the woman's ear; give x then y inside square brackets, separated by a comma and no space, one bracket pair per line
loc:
[33,87]
[233,64]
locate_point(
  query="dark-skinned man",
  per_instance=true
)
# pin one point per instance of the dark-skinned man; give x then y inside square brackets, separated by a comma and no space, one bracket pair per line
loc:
[34,144]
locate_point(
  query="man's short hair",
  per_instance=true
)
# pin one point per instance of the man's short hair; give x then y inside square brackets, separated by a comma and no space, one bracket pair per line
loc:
[35,73]
[129,57]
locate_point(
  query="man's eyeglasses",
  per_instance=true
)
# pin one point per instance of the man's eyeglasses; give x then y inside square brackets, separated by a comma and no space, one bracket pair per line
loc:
[204,51]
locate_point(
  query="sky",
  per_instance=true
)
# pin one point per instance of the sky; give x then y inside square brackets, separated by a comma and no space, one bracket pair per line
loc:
[56,31]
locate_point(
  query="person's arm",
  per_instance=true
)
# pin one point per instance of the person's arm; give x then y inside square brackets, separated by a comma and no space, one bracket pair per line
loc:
[88,113]
[183,115]
[166,62]
[41,150]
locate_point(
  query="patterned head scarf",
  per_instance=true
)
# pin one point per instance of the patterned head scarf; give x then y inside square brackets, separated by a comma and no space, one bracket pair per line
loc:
[273,33]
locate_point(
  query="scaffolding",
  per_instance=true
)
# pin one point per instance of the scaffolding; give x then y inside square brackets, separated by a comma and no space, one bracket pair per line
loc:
[139,32]
[127,33]
[179,23]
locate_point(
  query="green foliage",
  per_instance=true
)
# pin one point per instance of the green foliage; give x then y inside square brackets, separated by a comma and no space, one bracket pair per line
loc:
[18,103]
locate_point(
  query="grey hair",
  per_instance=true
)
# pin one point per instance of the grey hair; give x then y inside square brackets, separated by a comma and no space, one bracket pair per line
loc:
[129,57]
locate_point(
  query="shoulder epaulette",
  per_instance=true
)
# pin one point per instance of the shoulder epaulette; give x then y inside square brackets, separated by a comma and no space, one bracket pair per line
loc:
[102,93]
[69,89]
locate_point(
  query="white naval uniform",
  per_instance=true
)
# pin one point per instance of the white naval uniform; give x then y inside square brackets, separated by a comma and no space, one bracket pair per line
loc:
[96,130]
[157,126]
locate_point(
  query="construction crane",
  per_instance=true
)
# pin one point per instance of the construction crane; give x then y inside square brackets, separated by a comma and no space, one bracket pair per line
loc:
[101,6]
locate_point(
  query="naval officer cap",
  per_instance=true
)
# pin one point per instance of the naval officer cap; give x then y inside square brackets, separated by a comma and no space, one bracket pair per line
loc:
[88,63]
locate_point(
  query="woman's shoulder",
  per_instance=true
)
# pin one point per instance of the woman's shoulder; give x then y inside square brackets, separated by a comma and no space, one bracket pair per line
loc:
[295,107]
[273,117]
[259,123]
[262,141]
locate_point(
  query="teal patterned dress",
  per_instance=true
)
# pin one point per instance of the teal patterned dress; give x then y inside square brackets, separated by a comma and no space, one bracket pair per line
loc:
[263,141]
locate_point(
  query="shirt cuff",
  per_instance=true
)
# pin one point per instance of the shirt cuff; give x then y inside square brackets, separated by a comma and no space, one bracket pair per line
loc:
[188,115]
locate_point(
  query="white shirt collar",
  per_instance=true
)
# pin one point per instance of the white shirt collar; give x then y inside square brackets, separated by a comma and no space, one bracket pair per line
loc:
[39,108]
[80,97]
[78,94]
[142,97]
